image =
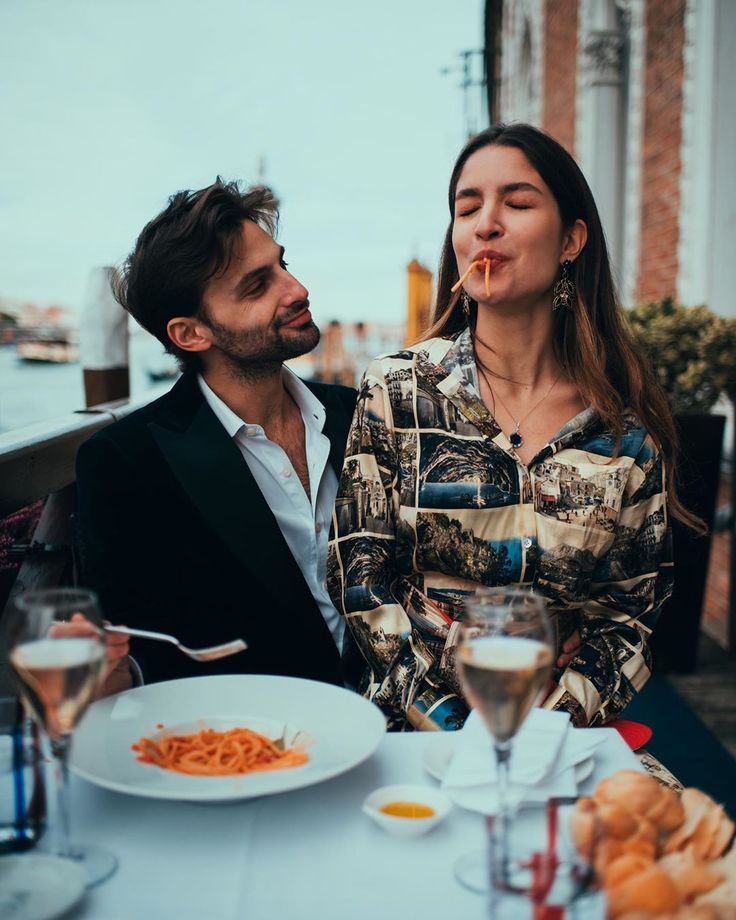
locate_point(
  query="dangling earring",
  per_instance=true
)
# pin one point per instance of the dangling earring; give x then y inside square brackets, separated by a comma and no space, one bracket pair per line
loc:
[564,289]
[465,303]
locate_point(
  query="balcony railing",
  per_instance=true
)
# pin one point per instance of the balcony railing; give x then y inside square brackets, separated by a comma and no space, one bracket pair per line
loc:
[37,462]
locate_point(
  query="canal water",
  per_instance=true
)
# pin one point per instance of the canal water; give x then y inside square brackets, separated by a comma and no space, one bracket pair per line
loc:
[34,392]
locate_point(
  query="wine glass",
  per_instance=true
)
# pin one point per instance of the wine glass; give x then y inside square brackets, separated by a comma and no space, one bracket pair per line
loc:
[56,647]
[504,658]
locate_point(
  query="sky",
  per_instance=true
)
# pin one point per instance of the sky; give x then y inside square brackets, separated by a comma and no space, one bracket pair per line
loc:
[109,106]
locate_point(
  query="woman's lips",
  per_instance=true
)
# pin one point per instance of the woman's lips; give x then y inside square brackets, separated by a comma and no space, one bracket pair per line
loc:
[496,259]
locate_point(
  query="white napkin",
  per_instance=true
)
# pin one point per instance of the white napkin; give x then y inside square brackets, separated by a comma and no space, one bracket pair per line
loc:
[543,758]
[533,750]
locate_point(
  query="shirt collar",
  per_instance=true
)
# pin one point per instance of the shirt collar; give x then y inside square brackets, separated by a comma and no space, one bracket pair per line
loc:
[229,420]
[312,410]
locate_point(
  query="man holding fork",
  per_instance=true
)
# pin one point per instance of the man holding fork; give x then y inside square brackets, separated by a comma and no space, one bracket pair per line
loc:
[205,514]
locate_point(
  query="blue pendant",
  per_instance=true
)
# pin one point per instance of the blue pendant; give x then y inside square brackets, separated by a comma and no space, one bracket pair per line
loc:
[516,439]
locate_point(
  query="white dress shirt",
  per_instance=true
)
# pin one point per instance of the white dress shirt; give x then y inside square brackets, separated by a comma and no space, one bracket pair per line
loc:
[304,521]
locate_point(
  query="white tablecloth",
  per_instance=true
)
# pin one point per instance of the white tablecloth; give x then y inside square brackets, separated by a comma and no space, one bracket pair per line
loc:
[306,855]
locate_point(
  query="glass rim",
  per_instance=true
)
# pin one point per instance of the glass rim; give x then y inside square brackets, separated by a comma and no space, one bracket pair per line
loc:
[512,591]
[44,597]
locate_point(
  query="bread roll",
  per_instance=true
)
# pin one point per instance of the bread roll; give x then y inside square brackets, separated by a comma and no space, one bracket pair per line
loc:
[722,837]
[696,805]
[623,867]
[690,874]
[657,855]
[583,826]
[642,795]
[723,896]
[650,892]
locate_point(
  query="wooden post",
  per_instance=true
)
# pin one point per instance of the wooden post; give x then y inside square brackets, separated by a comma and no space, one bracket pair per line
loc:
[105,385]
[103,341]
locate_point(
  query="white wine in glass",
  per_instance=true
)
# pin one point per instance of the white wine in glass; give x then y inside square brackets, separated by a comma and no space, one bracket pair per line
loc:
[502,677]
[56,646]
[504,658]
[58,679]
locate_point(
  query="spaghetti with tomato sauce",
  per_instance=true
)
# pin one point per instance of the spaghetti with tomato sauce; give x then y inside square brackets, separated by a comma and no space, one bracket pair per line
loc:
[212,753]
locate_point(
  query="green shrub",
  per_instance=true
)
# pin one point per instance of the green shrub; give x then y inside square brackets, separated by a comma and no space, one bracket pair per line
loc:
[692,349]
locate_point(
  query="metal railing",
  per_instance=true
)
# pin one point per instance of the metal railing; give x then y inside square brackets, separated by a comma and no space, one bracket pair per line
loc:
[37,462]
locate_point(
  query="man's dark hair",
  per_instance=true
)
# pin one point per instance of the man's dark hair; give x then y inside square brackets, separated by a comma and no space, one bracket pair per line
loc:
[180,250]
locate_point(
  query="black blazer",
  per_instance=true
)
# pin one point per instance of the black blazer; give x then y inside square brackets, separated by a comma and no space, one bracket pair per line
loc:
[176,536]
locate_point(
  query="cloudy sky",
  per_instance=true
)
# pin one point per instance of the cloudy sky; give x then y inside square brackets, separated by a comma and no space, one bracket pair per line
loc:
[108,106]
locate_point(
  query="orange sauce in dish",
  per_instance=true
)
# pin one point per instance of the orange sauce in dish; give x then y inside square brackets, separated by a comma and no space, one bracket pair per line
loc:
[407,810]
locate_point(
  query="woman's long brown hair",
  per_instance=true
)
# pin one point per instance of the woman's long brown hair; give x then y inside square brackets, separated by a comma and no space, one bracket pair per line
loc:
[592,340]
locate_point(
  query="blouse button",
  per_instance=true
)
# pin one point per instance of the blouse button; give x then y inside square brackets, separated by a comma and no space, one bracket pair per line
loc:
[527,543]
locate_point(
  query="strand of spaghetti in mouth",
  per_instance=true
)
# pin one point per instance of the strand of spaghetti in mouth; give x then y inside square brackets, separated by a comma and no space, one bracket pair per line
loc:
[475,264]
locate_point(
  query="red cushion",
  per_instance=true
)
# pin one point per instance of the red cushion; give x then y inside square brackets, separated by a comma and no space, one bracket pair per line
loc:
[635,734]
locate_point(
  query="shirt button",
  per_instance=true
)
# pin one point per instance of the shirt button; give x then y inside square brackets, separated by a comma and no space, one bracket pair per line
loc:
[527,543]
[318,527]
[251,432]
[286,472]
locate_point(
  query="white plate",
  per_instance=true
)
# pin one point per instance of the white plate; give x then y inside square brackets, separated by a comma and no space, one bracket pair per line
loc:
[437,754]
[342,729]
[37,887]
[439,749]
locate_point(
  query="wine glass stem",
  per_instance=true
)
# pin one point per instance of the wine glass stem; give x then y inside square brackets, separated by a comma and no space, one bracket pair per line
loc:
[60,750]
[503,756]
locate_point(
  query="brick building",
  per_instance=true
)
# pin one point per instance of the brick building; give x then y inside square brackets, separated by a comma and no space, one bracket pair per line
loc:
[643,93]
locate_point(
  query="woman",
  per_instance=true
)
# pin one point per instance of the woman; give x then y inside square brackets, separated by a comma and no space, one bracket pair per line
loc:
[523,441]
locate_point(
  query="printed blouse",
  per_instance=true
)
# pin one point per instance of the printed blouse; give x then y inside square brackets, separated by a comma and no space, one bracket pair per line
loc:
[433,502]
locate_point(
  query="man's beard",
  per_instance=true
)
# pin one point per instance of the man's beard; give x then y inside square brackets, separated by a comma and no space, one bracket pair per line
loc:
[257,353]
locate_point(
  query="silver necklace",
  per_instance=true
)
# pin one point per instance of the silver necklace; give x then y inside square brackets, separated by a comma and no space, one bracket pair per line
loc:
[515,437]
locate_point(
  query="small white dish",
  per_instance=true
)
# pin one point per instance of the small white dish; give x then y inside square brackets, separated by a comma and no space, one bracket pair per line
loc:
[415,793]
[38,887]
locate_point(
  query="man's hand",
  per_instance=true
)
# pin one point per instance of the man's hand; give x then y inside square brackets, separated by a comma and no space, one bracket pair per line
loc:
[116,675]
[569,650]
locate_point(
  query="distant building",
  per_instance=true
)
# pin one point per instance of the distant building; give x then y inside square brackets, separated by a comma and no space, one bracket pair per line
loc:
[642,93]
[418,300]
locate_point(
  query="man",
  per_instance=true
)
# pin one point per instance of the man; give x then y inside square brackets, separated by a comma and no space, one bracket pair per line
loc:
[206,513]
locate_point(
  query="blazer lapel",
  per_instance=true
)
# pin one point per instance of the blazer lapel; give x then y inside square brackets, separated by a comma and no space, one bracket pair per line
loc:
[210,468]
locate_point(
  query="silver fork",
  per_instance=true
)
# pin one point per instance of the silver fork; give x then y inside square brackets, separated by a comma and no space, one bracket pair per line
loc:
[198,654]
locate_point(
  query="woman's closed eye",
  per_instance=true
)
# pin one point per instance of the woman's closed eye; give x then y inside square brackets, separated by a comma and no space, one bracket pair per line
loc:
[519,205]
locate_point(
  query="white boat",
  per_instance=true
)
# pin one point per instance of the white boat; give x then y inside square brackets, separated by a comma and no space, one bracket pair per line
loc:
[47,351]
